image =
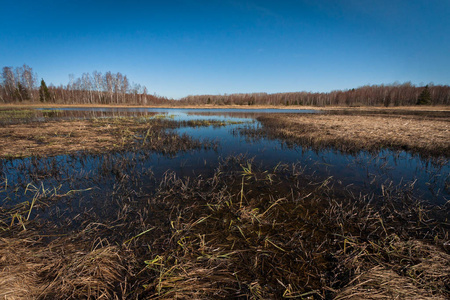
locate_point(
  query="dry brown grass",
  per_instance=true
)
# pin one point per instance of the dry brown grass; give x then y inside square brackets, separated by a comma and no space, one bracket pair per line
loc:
[429,273]
[93,136]
[54,138]
[61,270]
[356,132]
[380,283]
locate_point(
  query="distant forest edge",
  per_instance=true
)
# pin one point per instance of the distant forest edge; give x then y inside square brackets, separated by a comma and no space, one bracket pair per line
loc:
[21,84]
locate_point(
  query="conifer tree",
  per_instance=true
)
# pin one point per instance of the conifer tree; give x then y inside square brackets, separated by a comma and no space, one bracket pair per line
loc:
[44,94]
[424,97]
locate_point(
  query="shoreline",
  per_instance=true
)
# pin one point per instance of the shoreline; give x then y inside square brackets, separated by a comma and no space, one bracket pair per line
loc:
[95,136]
[416,130]
[424,134]
[428,108]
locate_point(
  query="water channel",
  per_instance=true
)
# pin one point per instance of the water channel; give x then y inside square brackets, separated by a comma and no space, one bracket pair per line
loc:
[360,173]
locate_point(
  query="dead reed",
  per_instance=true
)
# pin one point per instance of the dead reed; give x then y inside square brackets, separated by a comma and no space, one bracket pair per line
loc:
[32,269]
[244,232]
[426,135]
[98,136]
[270,234]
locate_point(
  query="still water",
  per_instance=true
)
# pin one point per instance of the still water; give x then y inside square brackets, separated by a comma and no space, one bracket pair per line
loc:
[96,175]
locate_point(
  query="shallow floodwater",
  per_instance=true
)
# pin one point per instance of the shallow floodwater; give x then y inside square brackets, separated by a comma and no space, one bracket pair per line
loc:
[94,176]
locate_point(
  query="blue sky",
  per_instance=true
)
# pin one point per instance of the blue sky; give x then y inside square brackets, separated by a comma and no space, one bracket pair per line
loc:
[179,48]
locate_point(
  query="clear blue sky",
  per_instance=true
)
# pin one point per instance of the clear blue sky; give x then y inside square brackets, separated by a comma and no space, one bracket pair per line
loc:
[183,47]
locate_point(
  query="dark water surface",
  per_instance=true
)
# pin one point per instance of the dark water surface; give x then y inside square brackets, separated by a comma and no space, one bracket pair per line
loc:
[92,177]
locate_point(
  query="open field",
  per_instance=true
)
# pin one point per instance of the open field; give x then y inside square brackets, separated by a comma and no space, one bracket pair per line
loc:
[424,133]
[113,219]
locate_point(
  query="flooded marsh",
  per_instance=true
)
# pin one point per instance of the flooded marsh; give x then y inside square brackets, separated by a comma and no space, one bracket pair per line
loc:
[425,134]
[185,203]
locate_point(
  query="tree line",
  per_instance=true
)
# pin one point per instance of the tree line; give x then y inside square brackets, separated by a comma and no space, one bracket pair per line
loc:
[17,84]
[21,84]
[369,95]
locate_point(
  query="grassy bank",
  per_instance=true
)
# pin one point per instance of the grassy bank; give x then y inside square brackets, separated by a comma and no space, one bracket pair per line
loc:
[422,132]
[97,136]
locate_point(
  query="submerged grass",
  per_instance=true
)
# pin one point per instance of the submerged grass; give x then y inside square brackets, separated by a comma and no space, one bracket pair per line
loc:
[20,214]
[244,232]
[287,237]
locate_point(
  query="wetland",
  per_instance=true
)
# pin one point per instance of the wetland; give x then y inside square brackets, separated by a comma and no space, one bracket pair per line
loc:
[140,203]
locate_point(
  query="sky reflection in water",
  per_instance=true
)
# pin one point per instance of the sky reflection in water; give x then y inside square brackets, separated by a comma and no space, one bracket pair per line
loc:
[363,172]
